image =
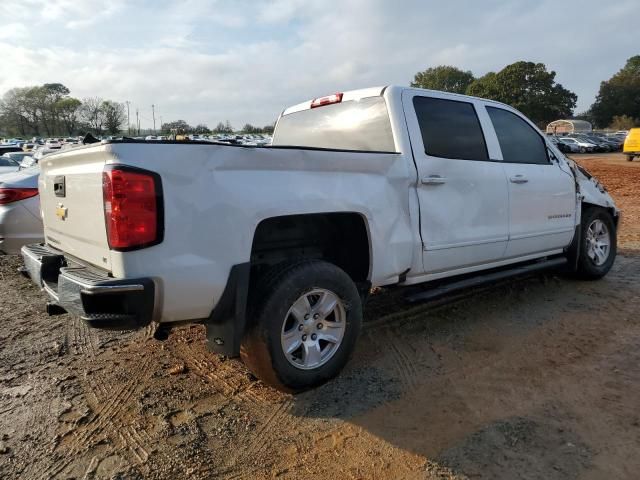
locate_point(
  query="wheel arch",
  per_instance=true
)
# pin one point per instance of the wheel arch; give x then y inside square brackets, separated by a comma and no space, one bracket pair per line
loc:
[341,238]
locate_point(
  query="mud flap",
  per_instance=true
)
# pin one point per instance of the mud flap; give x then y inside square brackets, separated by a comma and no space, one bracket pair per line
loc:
[225,326]
[573,251]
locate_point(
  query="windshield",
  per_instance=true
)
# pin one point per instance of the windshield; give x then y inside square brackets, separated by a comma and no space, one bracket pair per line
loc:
[352,125]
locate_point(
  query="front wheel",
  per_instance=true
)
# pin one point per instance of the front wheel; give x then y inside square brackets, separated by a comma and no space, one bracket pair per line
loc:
[599,244]
[304,326]
[583,150]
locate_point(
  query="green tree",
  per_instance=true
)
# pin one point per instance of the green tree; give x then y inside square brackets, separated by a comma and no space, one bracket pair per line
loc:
[620,95]
[49,95]
[268,129]
[623,122]
[68,110]
[115,116]
[177,126]
[92,114]
[530,88]
[445,78]
[13,114]
[201,128]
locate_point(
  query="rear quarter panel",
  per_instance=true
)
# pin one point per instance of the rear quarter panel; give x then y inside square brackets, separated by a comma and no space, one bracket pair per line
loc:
[215,196]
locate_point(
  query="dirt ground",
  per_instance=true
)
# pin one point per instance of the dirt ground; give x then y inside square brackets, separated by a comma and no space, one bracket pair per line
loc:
[534,378]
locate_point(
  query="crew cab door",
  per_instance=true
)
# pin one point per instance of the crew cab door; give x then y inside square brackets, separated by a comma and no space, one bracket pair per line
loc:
[542,197]
[463,195]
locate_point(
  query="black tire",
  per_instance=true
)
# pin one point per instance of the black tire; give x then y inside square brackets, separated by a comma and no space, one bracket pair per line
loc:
[629,158]
[276,292]
[588,268]
[583,150]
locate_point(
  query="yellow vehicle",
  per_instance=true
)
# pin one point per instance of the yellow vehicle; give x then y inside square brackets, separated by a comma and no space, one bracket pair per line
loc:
[632,144]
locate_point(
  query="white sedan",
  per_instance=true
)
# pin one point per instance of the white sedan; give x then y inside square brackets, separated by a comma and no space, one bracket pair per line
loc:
[20,221]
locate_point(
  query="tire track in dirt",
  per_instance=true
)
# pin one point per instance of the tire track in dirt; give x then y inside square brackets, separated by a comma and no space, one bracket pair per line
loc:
[134,442]
[81,438]
[405,365]
[280,420]
[108,401]
[225,376]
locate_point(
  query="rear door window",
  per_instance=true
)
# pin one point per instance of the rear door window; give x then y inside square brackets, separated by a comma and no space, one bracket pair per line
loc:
[519,141]
[450,129]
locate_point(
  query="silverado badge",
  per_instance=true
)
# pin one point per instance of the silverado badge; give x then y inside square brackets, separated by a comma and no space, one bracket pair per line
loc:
[61,212]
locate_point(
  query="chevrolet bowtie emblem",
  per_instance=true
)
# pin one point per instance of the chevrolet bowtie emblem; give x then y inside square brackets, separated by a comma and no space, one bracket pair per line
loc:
[61,212]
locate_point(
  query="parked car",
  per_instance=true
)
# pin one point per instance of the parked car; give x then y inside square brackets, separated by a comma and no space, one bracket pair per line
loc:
[18,156]
[601,145]
[563,147]
[632,144]
[20,222]
[275,249]
[581,145]
[8,149]
[8,165]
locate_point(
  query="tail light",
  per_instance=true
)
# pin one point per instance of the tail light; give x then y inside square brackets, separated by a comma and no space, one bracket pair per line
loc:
[328,100]
[132,207]
[10,195]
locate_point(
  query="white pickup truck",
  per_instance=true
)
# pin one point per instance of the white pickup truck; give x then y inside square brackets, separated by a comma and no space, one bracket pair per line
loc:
[276,248]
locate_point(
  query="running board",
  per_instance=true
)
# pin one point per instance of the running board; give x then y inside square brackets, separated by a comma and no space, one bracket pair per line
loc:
[475,281]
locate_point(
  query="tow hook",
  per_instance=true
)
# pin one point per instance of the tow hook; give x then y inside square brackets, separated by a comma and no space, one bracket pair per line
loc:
[53,309]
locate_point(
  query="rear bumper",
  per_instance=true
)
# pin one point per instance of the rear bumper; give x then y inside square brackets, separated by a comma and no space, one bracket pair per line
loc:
[99,300]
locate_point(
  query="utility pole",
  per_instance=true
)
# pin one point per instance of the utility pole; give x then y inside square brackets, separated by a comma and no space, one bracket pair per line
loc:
[138,121]
[153,113]
[161,124]
[128,121]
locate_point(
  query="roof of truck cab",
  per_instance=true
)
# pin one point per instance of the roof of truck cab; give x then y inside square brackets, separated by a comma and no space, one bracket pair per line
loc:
[378,91]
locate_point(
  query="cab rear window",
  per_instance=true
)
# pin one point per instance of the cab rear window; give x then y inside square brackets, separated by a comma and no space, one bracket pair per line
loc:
[361,125]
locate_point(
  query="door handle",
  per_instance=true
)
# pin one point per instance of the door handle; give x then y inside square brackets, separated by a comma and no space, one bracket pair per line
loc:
[518,179]
[433,180]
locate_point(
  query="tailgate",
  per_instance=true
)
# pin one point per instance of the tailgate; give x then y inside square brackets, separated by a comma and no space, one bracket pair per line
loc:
[72,204]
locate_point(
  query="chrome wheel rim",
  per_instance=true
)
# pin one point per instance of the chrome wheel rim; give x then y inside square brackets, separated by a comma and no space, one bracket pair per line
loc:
[598,242]
[313,329]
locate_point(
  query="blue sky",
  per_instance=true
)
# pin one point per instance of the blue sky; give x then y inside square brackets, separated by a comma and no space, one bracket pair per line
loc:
[209,61]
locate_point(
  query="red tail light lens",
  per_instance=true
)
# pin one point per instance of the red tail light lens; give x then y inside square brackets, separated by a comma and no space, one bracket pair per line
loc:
[328,100]
[10,195]
[132,208]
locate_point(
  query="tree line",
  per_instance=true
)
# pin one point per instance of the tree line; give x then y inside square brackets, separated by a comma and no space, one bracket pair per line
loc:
[180,126]
[532,89]
[49,110]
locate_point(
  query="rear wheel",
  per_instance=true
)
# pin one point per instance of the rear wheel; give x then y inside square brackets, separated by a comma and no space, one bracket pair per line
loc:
[599,246]
[304,326]
[630,158]
[583,150]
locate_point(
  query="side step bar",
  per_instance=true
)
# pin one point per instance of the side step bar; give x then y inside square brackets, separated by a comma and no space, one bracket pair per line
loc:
[454,286]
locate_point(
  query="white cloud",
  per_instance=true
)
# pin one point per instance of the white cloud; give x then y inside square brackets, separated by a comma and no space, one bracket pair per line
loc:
[14,32]
[206,62]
